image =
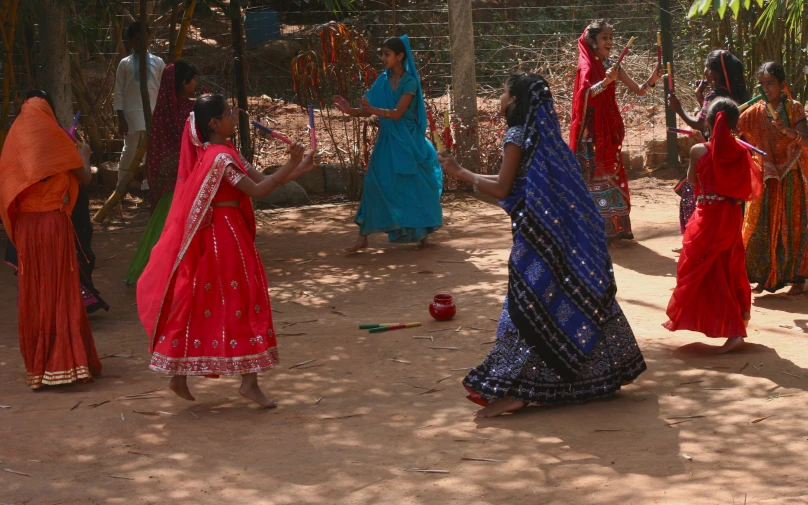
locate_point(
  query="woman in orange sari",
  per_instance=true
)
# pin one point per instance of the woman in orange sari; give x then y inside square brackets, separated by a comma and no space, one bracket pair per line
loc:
[775,230]
[41,170]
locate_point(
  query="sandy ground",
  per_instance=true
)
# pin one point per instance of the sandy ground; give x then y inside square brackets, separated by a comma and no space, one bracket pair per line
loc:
[374,418]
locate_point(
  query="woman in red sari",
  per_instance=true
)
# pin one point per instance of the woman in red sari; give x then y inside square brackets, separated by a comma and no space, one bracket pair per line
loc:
[712,294]
[203,297]
[596,129]
[41,170]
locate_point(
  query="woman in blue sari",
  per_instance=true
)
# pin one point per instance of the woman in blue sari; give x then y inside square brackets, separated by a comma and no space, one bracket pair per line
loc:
[562,336]
[403,184]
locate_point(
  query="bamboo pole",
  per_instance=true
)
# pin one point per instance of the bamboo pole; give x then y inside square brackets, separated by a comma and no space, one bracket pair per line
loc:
[186,23]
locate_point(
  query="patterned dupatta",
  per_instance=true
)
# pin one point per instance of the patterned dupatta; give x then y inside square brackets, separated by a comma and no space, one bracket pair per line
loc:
[170,115]
[201,171]
[561,288]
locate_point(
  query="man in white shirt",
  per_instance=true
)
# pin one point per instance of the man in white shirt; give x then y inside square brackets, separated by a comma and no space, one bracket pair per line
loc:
[128,102]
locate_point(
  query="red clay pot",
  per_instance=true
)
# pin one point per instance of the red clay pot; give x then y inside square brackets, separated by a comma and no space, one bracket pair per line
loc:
[442,307]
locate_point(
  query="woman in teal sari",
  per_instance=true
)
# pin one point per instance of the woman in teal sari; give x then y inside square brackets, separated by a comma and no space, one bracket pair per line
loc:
[174,105]
[403,184]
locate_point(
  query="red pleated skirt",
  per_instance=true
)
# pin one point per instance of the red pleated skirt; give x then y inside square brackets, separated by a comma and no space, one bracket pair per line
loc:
[220,319]
[55,337]
[712,289]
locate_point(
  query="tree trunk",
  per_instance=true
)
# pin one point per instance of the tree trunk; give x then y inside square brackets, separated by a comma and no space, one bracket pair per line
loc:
[54,74]
[241,79]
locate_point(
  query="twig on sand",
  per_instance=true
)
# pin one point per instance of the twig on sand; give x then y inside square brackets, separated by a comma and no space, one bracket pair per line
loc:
[15,472]
[405,362]
[425,470]
[120,477]
[302,363]
[76,405]
[489,460]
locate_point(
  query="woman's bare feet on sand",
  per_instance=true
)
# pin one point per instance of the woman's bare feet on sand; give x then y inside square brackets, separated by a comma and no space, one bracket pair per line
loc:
[426,243]
[249,389]
[758,290]
[361,243]
[179,384]
[500,407]
[730,345]
[796,290]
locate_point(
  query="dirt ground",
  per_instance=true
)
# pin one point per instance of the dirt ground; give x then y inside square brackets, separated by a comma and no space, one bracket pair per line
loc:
[696,428]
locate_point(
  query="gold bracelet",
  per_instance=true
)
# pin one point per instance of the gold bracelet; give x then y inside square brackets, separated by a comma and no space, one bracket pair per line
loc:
[798,138]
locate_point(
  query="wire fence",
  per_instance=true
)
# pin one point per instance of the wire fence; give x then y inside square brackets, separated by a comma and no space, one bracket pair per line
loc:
[541,39]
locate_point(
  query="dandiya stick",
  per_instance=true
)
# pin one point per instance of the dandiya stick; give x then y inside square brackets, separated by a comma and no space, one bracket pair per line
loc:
[769,105]
[659,48]
[743,143]
[670,77]
[625,49]
[377,325]
[312,132]
[396,327]
[750,103]
[271,132]
[447,132]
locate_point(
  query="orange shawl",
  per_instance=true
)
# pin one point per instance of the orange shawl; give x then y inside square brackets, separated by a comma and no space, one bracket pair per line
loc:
[36,148]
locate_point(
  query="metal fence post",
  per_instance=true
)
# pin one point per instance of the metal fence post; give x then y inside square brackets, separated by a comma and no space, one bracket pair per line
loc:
[464,81]
[667,55]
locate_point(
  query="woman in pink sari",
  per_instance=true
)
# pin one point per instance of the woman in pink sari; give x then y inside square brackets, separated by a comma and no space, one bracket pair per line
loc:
[203,296]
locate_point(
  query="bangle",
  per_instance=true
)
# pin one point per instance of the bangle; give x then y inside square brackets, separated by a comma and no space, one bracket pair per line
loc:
[476,180]
[798,138]
[650,85]
[596,89]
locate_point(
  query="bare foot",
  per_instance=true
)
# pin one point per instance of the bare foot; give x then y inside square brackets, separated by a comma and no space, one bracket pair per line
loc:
[796,290]
[730,345]
[361,243]
[427,243]
[758,289]
[500,407]
[677,249]
[249,389]
[179,384]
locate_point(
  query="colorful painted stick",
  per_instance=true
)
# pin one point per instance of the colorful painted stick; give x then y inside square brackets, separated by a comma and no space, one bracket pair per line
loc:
[312,132]
[72,131]
[396,327]
[691,133]
[377,325]
[751,147]
[670,78]
[434,132]
[625,49]
[742,142]
[769,105]
[447,132]
[750,103]
[71,135]
[659,48]
[271,132]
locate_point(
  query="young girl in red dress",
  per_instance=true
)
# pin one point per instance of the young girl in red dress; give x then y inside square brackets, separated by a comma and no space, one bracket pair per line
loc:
[712,294]
[203,295]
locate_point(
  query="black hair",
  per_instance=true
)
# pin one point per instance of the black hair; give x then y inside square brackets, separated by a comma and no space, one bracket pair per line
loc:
[396,45]
[734,74]
[133,29]
[595,27]
[774,69]
[728,107]
[206,108]
[183,73]
[519,87]
[41,93]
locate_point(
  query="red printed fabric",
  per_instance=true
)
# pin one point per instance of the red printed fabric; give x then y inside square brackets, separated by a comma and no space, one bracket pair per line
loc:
[170,113]
[607,122]
[205,303]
